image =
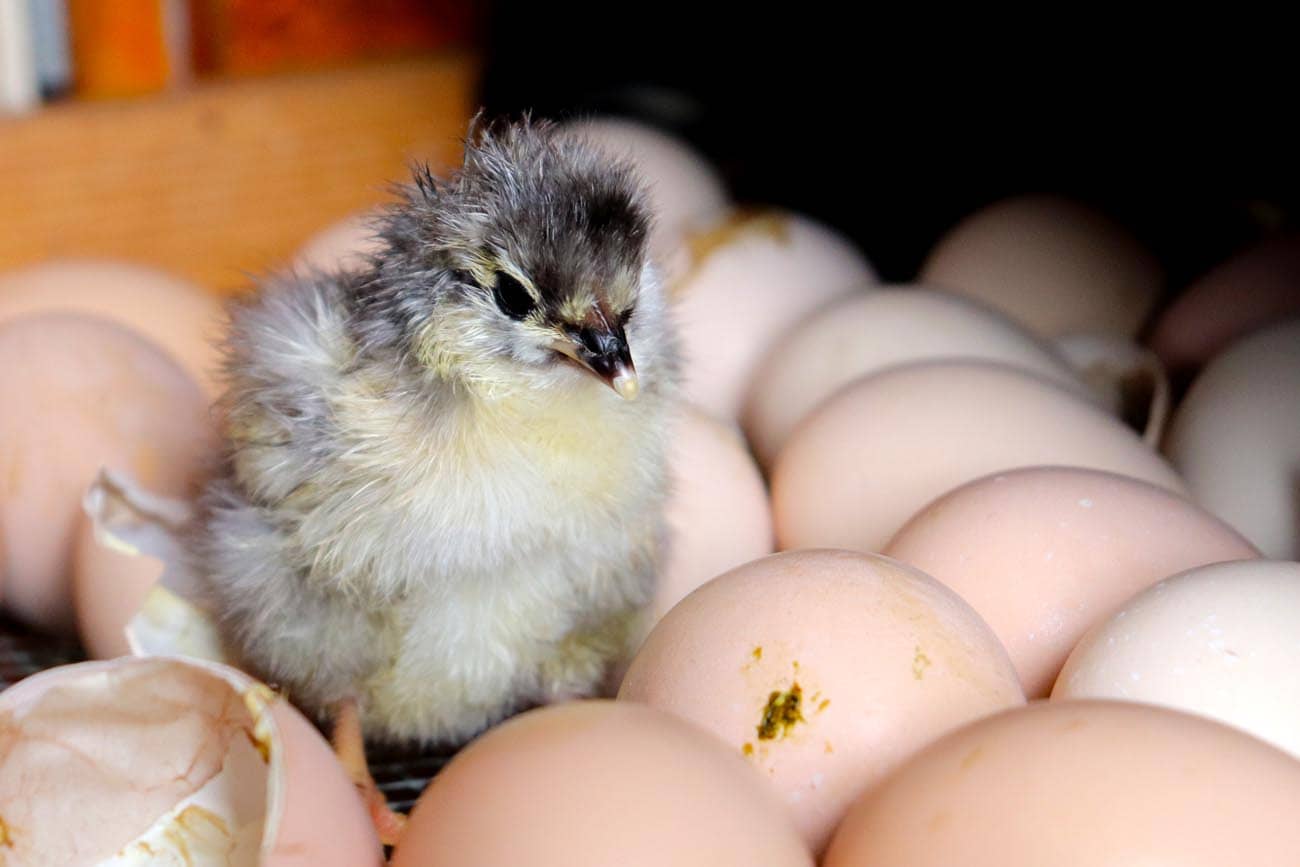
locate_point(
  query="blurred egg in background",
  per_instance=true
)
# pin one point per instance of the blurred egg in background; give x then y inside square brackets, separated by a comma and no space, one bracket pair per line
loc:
[1054,265]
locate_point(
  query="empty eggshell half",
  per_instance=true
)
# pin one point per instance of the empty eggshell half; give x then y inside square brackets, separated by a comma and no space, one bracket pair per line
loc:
[1236,438]
[878,451]
[751,279]
[1220,640]
[1255,288]
[865,333]
[824,669]
[1084,784]
[76,394]
[170,761]
[1044,553]
[1054,265]
[179,317]
[594,784]
[684,190]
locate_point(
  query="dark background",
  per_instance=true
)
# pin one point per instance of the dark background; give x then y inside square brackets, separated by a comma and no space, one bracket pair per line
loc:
[892,127]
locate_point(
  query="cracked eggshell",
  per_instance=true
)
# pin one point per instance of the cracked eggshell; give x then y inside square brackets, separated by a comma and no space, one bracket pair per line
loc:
[685,191]
[1221,641]
[76,394]
[177,316]
[1044,553]
[1054,265]
[752,278]
[882,448]
[864,333]
[594,784]
[1236,438]
[1084,784]
[154,760]
[824,670]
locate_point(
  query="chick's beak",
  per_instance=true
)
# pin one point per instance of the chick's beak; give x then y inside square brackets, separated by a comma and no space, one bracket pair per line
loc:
[603,351]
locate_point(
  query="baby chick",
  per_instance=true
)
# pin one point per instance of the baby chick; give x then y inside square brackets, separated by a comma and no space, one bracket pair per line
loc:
[444,486]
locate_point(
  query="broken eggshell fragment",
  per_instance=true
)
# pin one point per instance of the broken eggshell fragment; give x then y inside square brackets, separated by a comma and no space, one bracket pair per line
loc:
[1128,378]
[163,760]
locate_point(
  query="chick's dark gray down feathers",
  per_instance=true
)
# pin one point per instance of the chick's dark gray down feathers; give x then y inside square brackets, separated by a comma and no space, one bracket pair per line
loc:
[444,485]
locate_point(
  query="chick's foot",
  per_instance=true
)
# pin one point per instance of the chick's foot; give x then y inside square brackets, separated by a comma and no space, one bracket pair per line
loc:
[350,748]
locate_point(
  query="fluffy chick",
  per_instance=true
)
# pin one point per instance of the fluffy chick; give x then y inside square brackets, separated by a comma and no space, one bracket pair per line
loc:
[444,487]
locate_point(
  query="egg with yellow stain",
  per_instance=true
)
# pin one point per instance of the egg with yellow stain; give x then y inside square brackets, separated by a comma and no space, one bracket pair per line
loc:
[824,669]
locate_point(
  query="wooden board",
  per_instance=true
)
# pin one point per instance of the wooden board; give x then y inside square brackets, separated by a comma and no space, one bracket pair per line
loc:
[224,179]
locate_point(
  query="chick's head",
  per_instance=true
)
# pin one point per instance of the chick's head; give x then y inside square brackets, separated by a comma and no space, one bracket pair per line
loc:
[526,266]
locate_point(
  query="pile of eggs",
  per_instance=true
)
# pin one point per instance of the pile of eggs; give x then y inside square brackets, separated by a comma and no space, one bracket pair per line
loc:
[1026,610]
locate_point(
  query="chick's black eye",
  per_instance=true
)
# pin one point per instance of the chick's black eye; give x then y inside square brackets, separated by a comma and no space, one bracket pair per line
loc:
[512,297]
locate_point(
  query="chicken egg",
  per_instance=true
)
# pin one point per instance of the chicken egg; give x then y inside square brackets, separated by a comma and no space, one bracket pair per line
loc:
[866,332]
[77,394]
[594,784]
[145,761]
[1220,640]
[718,512]
[175,315]
[1253,289]
[1053,265]
[751,279]
[883,447]
[1043,553]
[823,669]
[1084,784]
[1236,438]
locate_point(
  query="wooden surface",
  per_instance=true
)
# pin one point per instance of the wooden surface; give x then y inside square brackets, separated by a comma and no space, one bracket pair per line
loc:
[224,179]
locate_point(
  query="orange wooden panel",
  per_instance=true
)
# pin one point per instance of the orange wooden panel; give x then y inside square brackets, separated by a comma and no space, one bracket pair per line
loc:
[228,178]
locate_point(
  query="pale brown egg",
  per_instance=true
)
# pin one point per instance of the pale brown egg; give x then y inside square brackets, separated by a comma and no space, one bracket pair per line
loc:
[824,670]
[596,784]
[752,279]
[77,394]
[1253,289]
[718,513]
[147,761]
[1084,784]
[867,332]
[1220,640]
[882,448]
[1236,438]
[1053,265]
[685,191]
[1044,553]
[343,246]
[181,318]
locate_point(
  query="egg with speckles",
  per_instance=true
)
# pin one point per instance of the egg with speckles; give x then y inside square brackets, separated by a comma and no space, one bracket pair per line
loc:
[824,669]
